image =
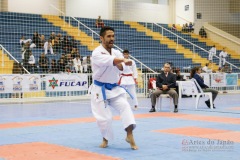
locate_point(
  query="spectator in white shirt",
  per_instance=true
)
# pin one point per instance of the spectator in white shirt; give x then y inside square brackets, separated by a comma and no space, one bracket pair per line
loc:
[206,69]
[77,64]
[212,52]
[86,63]
[31,62]
[222,58]
[48,46]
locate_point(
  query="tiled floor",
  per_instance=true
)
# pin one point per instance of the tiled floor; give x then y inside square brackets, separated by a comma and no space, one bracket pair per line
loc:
[68,131]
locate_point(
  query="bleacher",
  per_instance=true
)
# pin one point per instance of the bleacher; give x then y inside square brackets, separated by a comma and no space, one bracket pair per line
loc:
[143,47]
[15,25]
[195,41]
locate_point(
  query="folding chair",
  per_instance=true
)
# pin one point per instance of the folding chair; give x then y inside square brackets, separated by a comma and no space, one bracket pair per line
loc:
[192,88]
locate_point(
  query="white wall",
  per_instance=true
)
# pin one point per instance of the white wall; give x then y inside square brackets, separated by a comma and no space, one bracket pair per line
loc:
[32,6]
[89,9]
[215,11]
[142,12]
[183,16]
[132,10]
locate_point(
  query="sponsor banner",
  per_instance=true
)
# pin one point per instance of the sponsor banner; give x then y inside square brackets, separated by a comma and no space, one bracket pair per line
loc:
[188,88]
[231,79]
[5,84]
[66,82]
[218,80]
[33,83]
[19,83]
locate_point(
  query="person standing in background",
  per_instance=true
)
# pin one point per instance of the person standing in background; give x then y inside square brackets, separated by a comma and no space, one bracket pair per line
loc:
[212,52]
[128,79]
[222,58]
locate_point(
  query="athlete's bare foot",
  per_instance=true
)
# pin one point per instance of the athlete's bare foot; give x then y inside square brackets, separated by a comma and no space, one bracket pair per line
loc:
[130,140]
[104,143]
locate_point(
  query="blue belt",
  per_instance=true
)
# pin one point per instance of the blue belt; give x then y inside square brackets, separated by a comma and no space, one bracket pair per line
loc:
[109,86]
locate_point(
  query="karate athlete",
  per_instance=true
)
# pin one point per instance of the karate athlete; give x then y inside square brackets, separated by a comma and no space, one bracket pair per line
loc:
[128,79]
[106,93]
[212,52]
[222,58]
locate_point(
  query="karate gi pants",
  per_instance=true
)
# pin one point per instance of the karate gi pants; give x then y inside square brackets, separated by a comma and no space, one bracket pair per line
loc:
[104,117]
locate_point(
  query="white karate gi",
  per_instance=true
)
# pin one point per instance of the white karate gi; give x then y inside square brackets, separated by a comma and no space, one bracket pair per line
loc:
[77,65]
[85,64]
[104,71]
[47,47]
[222,58]
[212,52]
[127,80]
[31,60]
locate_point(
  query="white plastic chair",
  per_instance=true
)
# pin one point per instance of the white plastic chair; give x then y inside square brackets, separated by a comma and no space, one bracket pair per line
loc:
[192,88]
[159,99]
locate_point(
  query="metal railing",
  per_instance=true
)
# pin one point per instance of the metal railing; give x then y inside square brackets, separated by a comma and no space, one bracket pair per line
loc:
[4,50]
[93,32]
[194,46]
[142,90]
[208,28]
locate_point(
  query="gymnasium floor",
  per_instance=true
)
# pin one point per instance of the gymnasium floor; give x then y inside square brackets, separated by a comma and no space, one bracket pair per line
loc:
[68,131]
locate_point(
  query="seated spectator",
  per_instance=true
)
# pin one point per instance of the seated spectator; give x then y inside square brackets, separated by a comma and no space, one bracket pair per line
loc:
[72,43]
[66,45]
[206,69]
[43,63]
[202,32]
[179,77]
[86,63]
[56,46]
[61,65]
[99,22]
[77,64]
[191,27]
[184,28]
[174,28]
[69,61]
[68,70]
[195,73]
[54,67]
[42,41]
[52,36]
[48,47]
[23,41]
[36,40]
[226,69]
[166,82]
[74,53]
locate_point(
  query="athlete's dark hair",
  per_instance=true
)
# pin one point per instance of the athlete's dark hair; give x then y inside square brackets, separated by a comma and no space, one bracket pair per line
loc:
[104,29]
[126,51]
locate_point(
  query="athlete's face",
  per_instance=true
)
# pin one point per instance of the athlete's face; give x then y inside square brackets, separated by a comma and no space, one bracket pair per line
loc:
[108,39]
[125,55]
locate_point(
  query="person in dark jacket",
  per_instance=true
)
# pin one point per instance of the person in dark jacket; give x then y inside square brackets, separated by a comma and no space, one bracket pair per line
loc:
[195,73]
[165,83]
